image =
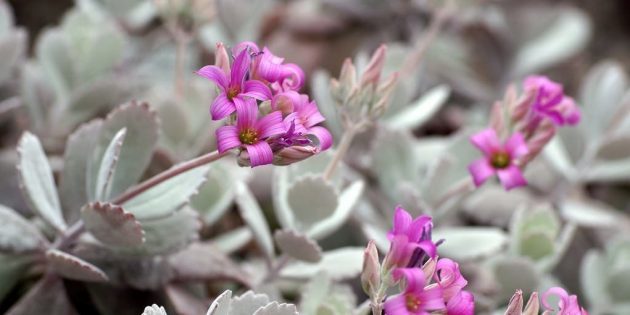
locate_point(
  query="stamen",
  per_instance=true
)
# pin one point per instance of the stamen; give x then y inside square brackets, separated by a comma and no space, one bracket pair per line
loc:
[248,136]
[413,303]
[500,160]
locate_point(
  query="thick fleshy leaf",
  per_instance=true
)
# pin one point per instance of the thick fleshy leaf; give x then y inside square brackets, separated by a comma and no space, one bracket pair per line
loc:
[184,300]
[167,197]
[11,269]
[72,267]
[54,52]
[107,167]
[17,234]
[12,47]
[275,308]
[491,204]
[112,225]
[515,273]
[234,240]
[423,109]
[312,199]
[221,305]
[342,263]
[46,297]
[592,214]
[204,261]
[37,181]
[346,203]
[298,246]
[154,310]
[593,278]
[252,214]
[248,303]
[468,243]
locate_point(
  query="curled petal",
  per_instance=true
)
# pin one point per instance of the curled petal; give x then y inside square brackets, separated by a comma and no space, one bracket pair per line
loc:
[221,107]
[511,177]
[428,247]
[487,141]
[295,77]
[449,278]
[246,113]
[323,135]
[257,90]
[214,74]
[516,146]
[270,125]
[227,138]
[419,226]
[557,291]
[245,46]
[259,153]
[480,170]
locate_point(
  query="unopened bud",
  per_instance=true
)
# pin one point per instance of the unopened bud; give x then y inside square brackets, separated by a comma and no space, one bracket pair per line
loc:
[222,58]
[533,305]
[516,304]
[371,274]
[294,154]
[348,75]
[497,122]
[429,269]
[538,140]
[373,70]
[523,106]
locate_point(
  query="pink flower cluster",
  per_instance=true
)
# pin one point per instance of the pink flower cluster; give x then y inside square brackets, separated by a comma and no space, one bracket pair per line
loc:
[270,121]
[431,284]
[533,120]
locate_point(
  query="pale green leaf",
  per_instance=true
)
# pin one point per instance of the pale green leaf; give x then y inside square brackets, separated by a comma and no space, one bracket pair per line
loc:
[56,56]
[423,109]
[591,213]
[12,48]
[112,225]
[515,273]
[311,200]
[298,246]
[248,303]
[72,267]
[275,308]
[47,296]
[342,263]
[17,234]
[107,167]
[252,214]
[593,278]
[37,181]
[154,310]
[11,269]
[347,201]
[468,243]
[221,305]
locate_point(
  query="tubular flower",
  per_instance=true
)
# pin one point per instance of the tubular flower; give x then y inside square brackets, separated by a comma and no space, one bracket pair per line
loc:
[568,304]
[551,102]
[410,240]
[234,88]
[416,299]
[251,133]
[500,159]
[305,117]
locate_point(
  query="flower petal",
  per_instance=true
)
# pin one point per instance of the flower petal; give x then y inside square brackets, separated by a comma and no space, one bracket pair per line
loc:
[270,125]
[432,299]
[402,220]
[227,138]
[557,291]
[480,170]
[486,140]
[215,74]
[396,305]
[221,107]
[511,177]
[323,135]
[246,113]
[257,90]
[418,226]
[461,304]
[240,67]
[516,145]
[295,78]
[310,114]
[259,153]
[414,278]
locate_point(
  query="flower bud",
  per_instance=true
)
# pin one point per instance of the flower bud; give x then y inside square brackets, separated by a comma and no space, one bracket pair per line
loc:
[516,304]
[373,70]
[347,77]
[222,58]
[294,154]
[537,141]
[371,274]
[533,305]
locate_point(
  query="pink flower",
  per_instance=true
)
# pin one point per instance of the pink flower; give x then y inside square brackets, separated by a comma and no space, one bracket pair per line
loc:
[272,69]
[499,159]
[235,88]
[304,115]
[551,102]
[449,278]
[568,304]
[410,240]
[416,299]
[463,303]
[251,132]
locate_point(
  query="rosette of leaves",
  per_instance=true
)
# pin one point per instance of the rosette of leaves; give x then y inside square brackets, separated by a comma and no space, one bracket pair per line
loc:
[12,43]
[605,278]
[74,76]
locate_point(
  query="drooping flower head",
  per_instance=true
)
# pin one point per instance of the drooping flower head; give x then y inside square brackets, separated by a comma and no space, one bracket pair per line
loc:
[550,102]
[498,158]
[234,87]
[568,304]
[416,299]
[410,239]
[303,115]
[251,133]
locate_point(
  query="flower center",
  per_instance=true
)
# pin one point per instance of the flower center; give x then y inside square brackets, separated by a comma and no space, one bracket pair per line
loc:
[412,303]
[248,136]
[233,91]
[500,160]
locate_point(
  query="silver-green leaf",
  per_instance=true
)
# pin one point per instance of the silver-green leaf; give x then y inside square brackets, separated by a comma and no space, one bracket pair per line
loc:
[72,267]
[17,234]
[112,225]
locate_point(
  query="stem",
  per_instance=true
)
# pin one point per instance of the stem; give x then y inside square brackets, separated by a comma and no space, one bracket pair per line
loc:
[168,174]
[377,308]
[71,234]
[342,149]
[275,270]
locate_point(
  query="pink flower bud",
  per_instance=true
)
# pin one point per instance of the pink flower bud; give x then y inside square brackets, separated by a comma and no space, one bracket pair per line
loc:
[294,154]
[222,58]
[533,305]
[371,274]
[516,304]
[348,75]
[373,70]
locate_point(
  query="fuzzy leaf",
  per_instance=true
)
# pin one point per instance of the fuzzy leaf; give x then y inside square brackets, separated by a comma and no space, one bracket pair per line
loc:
[468,243]
[107,168]
[248,303]
[342,263]
[312,199]
[17,234]
[46,297]
[185,300]
[221,305]
[593,278]
[233,240]
[298,246]
[37,181]
[515,273]
[423,109]
[12,47]
[253,216]
[168,196]
[54,52]
[203,261]
[346,203]
[592,214]
[217,192]
[112,225]
[275,308]
[11,269]
[154,310]
[72,267]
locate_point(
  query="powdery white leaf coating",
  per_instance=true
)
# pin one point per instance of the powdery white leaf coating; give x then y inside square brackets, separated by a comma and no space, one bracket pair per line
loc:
[17,234]
[248,303]
[112,225]
[37,181]
[341,263]
[221,305]
[468,243]
[253,216]
[107,167]
[72,267]
[154,310]
[312,199]
[420,111]
[275,308]
[298,246]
